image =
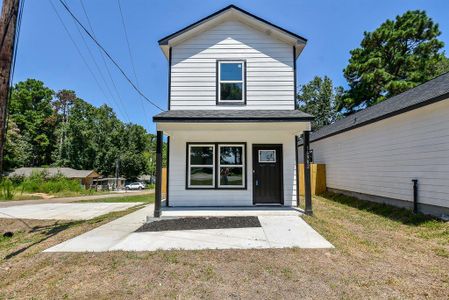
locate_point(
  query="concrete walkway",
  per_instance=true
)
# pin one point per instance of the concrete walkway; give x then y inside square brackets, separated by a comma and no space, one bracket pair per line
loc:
[277,231]
[75,199]
[63,211]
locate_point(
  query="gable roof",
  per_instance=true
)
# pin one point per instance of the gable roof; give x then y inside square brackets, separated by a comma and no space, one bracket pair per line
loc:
[67,172]
[424,94]
[233,12]
[227,116]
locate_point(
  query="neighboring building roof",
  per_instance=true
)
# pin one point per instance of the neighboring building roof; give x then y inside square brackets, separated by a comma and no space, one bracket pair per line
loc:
[424,94]
[226,116]
[234,12]
[67,172]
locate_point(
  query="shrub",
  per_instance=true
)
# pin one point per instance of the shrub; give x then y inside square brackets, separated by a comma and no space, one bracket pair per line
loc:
[40,182]
[7,189]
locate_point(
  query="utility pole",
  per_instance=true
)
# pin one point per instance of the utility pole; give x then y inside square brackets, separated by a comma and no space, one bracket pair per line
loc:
[117,172]
[8,23]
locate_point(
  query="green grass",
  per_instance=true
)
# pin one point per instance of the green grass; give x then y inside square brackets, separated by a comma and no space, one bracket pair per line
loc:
[373,217]
[147,198]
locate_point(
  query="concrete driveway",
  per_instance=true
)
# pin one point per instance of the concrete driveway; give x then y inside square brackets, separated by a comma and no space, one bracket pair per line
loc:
[63,211]
[277,231]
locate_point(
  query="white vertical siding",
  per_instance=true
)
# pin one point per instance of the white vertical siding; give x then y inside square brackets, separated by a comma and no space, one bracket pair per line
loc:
[180,196]
[269,67]
[382,158]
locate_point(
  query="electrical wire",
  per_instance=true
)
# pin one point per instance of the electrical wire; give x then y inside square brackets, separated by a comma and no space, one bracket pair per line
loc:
[123,112]
[119,104]
[110,57]
[131,58]
[77,48]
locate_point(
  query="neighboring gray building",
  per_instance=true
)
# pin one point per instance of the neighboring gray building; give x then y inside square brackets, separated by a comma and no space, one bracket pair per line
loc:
[376,153]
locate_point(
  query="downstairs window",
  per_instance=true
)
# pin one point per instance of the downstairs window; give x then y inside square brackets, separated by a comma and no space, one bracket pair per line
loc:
[216,166]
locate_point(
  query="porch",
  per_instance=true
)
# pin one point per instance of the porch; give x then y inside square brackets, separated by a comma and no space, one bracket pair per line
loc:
[231,158]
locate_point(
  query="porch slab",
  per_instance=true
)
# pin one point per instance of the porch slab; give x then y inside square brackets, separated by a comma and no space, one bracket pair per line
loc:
[277,231]
[232,211]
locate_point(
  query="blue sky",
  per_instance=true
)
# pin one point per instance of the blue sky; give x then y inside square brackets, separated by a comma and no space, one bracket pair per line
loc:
[332,28]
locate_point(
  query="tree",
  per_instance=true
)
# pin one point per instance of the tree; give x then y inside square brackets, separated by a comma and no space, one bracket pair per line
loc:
[31,110]
[62,104]
[67,131]
[318,98]
[395,57]
[17,149]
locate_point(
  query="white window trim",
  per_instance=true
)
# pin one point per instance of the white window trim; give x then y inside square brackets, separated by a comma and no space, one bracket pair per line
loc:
[189,166]
[231,166]
[231,81]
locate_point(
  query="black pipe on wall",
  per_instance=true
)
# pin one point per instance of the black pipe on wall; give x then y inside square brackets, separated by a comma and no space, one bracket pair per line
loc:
[415,195]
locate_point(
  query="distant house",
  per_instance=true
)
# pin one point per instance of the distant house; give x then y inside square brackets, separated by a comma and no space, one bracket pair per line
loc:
[109,183]
[380,153]
[85,177]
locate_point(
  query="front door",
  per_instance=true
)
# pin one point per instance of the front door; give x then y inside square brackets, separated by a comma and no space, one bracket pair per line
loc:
[267,174]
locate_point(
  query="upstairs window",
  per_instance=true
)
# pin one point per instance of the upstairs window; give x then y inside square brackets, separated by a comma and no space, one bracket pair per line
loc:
[231,82]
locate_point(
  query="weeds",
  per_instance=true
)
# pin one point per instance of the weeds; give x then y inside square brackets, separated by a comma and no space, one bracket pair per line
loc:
[7,189]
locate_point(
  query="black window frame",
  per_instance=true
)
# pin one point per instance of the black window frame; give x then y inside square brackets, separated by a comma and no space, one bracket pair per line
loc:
[217,166]
[218,101]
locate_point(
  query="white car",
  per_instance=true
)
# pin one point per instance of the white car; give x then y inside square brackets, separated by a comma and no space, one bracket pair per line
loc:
[135,186]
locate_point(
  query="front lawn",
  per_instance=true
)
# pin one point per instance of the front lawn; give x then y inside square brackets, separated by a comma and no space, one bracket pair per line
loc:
[381,252]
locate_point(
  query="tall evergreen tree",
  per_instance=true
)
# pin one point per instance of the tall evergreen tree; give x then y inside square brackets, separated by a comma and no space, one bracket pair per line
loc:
[318,98]
[395,57]
[62,105]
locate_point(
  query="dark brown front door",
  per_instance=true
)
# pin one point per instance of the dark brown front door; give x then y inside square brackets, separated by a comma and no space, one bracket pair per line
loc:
[267,174]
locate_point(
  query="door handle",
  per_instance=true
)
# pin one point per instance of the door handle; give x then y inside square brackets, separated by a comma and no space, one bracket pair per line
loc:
[257,182]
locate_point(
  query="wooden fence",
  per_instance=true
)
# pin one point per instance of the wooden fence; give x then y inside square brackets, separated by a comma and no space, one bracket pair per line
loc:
[317,178]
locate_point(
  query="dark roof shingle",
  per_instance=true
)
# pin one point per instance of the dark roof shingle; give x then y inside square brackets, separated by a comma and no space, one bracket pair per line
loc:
[232,116]
[424,94]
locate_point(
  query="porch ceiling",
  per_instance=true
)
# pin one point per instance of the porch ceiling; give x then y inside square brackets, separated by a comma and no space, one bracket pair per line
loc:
[282,127]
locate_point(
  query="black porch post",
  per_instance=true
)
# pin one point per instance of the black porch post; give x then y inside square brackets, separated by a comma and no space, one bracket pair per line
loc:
[307,187]
[157,204]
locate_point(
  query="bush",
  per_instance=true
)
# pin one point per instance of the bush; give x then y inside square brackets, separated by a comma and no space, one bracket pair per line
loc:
[7,189]
[40,182]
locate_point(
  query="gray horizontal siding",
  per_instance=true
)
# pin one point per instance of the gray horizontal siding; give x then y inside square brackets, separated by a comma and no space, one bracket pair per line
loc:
[382,158]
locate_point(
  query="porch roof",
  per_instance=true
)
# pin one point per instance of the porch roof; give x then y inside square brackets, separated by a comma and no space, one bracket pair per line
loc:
[228,116]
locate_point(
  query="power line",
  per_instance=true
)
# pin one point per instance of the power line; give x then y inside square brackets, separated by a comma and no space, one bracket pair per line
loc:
[77,48]
[127,42]
[120,105]
[131,57]
[14,59]
[110,57]
[117,103]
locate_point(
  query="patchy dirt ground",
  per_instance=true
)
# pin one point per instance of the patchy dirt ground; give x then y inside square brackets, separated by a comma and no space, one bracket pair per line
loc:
[380,253]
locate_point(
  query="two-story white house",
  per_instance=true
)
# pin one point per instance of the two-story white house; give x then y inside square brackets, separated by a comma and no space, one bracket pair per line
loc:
[232,123]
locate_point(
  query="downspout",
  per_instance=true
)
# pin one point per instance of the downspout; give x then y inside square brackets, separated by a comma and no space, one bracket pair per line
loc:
[415,195]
